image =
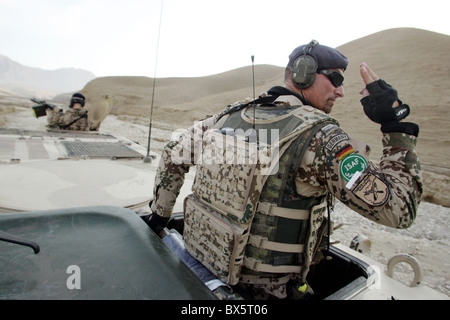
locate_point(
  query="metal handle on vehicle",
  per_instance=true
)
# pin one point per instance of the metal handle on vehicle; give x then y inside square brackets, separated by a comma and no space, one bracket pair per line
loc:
[412,261]
[4,236]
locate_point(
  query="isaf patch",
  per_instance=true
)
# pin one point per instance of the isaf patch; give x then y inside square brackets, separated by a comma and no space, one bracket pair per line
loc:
[352,164]
[372,190]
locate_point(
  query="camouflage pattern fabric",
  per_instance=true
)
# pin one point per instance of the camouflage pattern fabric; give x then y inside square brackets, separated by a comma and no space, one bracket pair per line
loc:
[229,182]
[334,163]
[58,119]
[230,179]
[389,194]
[280,192]
[264,291]
[214,240]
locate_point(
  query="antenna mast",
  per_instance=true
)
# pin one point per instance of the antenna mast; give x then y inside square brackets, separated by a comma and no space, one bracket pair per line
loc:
[254,95]
[147,158]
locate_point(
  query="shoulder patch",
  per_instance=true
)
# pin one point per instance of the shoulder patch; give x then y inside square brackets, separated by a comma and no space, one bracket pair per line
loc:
[335,140]
[351,164]
[345,151]
[372,190]
[328,128]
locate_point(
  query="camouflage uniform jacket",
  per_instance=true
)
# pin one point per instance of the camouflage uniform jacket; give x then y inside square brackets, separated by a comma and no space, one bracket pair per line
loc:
[58,119]
[333,163]
[388,194]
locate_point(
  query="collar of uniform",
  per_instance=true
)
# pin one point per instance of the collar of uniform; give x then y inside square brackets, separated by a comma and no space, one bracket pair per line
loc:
[292,100]
[286,95]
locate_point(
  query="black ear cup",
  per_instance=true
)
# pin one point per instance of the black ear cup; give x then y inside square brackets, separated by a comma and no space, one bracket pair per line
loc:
[304,71]
[304,68]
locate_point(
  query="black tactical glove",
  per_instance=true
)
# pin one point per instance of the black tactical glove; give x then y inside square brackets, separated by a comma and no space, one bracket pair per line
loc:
[156,222]
[378,107]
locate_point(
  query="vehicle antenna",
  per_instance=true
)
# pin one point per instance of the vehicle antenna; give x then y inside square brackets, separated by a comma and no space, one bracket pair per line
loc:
[147,158]
[254,95]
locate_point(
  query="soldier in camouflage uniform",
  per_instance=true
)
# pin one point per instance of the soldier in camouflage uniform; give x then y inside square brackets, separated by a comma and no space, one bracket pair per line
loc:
[332,165]
[75,118]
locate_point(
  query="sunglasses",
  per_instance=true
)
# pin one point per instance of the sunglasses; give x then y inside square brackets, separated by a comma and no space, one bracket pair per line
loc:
[336,78]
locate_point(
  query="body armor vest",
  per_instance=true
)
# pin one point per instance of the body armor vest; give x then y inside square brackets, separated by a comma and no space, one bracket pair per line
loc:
[245,218]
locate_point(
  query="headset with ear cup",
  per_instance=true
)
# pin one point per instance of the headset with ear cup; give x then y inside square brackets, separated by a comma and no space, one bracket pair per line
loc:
[305,67]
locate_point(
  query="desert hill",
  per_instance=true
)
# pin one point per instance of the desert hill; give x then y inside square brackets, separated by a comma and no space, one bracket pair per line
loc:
[189,98]
[22,80]
[416,62]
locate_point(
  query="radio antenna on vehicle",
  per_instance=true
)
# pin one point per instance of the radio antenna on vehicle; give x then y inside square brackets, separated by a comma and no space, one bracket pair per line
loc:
[254,95]
[147,158]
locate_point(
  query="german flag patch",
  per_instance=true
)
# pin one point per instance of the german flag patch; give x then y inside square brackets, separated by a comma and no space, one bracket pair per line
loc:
[345,151]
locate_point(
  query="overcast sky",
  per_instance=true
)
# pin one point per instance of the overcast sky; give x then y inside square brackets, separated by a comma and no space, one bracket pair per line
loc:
[198,37]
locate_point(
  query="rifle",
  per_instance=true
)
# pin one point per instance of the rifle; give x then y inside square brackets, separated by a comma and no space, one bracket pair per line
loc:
[39,110]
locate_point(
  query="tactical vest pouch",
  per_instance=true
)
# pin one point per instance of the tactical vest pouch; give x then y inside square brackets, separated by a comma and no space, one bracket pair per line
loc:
[226,191]
[317,230]
[215,240]
[230,178]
